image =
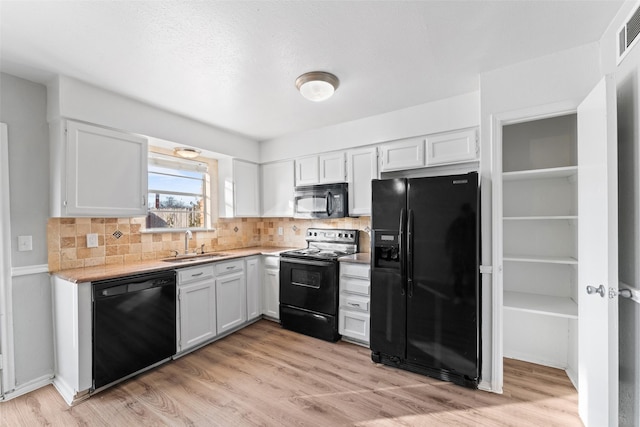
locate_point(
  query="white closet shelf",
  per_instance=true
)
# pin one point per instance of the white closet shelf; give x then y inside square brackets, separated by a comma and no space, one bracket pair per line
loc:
[564,172]
[540,217]
[542,259]
[540,304]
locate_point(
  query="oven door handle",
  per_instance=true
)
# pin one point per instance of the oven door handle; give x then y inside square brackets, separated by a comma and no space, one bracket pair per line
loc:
[306,262]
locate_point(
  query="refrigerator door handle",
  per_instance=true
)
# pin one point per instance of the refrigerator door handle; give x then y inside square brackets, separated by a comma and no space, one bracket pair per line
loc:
[401,254]
[410,252]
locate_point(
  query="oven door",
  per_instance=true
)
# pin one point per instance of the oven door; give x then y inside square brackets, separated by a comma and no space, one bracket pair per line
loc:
[309,284]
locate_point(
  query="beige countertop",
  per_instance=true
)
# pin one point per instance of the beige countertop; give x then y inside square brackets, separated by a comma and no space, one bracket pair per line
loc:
[101,272]
[359,258]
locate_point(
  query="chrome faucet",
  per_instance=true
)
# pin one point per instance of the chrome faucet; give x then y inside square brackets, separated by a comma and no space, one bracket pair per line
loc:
[187,236]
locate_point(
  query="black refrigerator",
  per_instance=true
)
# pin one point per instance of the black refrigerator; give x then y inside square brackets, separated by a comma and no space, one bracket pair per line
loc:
[425,275]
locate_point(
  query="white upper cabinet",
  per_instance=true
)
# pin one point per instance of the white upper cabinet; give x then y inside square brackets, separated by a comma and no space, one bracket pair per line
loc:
[403,154]
[430,150]
[332,168]
[277,189]
[246,189]
[452,147]
[238,189]
[322,169]
[362,167]
[307,171]
[98,172]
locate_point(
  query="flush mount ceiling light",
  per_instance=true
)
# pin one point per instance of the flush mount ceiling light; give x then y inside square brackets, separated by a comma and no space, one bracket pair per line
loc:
[186,152]
[317,85]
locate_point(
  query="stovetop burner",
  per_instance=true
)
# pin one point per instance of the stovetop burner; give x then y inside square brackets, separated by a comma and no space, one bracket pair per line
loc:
[327,244]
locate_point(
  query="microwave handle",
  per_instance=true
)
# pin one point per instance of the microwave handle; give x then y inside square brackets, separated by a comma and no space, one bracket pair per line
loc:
[329,203]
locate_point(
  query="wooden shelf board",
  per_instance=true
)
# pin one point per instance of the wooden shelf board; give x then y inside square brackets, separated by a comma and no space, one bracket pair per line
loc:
[540,304]
[564,172]
[542,259]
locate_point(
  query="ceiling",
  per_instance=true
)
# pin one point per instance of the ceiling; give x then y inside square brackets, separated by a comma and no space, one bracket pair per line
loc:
[233,64]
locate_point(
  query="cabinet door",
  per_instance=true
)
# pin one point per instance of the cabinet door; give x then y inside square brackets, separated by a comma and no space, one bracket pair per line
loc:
[598,251]
[106,172]
[231,301]
[453,147]
[332,168]
[355,325]
[246,189]
[197,313]
[362,167]
[277,189]
[254,290]
[272,293]
[307,171]
[404,154]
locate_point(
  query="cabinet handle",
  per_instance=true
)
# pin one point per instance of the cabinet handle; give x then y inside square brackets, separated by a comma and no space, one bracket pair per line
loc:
[144,201]
[354,304]
[231,268]
[197,274]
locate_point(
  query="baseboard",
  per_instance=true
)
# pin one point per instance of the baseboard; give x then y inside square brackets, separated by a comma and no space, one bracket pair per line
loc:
[573,377]
[29,387]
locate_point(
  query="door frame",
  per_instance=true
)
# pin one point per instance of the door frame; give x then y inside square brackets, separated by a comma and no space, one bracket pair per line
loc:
[498,121]
[7,372]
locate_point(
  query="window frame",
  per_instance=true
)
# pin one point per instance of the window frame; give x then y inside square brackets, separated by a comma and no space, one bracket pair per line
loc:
[158,159]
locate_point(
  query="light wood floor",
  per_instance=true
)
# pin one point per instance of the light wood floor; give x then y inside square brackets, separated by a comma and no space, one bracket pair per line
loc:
[264,375]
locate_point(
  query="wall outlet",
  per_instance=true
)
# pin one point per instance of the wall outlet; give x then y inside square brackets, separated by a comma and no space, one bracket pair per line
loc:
[92,240]
[25,243]
[280,231]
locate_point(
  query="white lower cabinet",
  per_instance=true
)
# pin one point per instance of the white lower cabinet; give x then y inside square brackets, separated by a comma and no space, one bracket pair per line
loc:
[271,287]
[196,306]
[231,295]
[355,293]
[254,290]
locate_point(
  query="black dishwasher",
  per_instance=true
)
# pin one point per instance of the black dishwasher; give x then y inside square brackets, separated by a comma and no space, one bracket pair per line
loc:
[134,324]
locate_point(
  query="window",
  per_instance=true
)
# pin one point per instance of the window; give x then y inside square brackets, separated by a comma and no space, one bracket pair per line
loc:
[177,193]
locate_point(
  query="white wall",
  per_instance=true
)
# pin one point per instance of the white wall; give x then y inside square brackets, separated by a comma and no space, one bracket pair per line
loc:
[74,99]
[458,112]
[23,109]
[561,78]
[627,76]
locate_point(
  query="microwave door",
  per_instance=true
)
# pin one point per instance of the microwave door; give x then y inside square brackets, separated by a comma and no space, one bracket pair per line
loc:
[311,205]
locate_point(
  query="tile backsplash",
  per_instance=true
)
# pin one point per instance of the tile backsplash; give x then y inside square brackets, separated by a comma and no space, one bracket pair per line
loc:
[123,240]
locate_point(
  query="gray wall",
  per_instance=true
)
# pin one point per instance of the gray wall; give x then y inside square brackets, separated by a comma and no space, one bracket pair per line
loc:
[23,109]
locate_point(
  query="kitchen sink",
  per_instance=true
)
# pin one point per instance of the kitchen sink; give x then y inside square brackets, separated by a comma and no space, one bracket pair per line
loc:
[193,258]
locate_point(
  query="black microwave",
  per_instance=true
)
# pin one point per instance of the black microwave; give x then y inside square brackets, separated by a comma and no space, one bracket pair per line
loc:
[321,201]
